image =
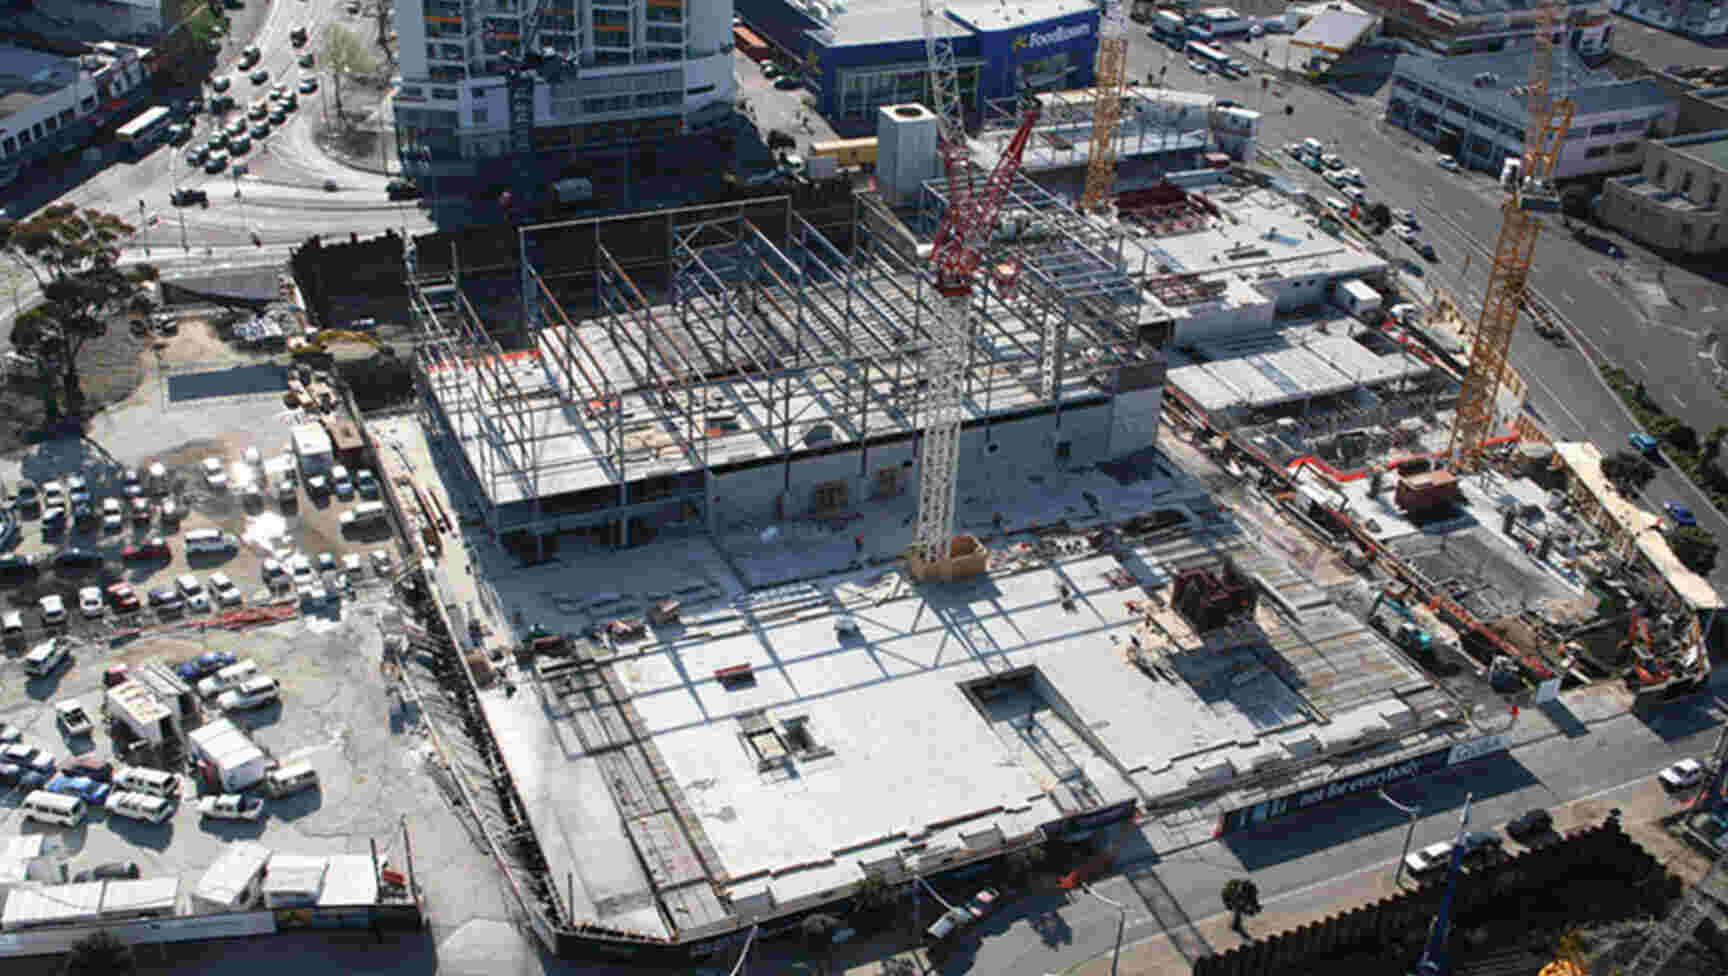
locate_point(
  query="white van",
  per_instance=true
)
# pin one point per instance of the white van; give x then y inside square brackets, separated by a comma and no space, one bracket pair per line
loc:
[140,806]
[1313,148]
[365,513]
[229,677]
[45,657]
[67,811]
[210,540]
[142,779]
[290,778]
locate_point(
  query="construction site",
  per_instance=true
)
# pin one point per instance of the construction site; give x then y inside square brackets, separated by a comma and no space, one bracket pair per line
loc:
[1140,505]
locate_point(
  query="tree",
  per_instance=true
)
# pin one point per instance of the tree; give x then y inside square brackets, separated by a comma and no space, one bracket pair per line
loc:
[100,954]
[1380,214]
[1712,446]
[1695,547]
[344,55]
[1628,472]
[74,256]
[1242,897]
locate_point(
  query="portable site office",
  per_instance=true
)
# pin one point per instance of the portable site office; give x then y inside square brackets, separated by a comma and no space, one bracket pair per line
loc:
[234,882]
[229,759]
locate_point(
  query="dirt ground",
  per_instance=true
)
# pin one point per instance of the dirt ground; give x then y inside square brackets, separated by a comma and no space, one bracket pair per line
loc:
[111,368]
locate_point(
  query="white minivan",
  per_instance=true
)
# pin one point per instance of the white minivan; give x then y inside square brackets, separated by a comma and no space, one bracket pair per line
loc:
[142,779]
[140,806]
[210,540]
[41,805]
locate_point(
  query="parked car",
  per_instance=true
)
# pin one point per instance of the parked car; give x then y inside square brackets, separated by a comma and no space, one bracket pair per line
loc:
[259,77]
[15,568]
[154,547]
[226,593]
[123,598]
[274,574]
[231,676]
[251,693]
[231,806]
[204,665]
[308,85]
[326,562]
[301,569]
[53,609]
[27,757]
[1685,773]
[1643,443]
[193,591]
[1530,824]
[166,599]
[112,871]
[90,601]
[402,190]
[1680,514]
[82,787]
[113,515]
[72,718]
[215,475]
[189,196]
[93,767]
[77,489]
[1448,164]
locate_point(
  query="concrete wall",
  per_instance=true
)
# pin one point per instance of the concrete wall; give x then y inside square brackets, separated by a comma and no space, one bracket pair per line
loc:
[1135,423]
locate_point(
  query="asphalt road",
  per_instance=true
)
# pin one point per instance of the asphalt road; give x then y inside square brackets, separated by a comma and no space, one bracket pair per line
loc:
[1658,342]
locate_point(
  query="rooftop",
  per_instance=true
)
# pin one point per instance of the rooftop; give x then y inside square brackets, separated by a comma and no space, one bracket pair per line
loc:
[1709,148]
[26,75]
[857,22]
[1273,367]
[949,712]
[1592,92]
[1335,31]
[1483,8]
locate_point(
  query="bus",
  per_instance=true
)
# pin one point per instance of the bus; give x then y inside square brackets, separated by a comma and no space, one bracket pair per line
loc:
[1169,27]
[1210,56]
[144,132]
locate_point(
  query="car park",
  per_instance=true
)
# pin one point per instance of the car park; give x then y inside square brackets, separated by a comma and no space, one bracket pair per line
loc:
[74,721]
[251,693]
[231,806]
[90,601]
[1681,775]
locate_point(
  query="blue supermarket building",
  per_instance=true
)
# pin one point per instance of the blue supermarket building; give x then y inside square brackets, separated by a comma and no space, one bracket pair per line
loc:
[855,56]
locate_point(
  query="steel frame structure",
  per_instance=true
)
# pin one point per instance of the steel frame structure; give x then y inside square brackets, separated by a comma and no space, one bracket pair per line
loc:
[755,313]
[1148,124]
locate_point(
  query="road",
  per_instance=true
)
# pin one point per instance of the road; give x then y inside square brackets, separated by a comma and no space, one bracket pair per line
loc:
[1656,330]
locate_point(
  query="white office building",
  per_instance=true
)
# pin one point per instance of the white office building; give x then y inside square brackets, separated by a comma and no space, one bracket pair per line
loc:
[643,70]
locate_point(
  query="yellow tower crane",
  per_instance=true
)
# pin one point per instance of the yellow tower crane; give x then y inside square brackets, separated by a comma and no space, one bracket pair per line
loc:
[1508,277]
[1110,86]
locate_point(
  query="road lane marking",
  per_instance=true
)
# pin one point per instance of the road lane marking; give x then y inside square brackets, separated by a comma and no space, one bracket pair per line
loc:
[1568,297]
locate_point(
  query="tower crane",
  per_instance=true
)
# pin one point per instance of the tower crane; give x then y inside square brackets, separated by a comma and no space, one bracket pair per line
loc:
[1508,276]
[956,255]
[522,73]
[1110,86]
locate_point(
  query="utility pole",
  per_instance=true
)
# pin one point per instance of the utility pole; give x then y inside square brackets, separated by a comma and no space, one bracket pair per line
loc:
[1414,813]
[1121,926]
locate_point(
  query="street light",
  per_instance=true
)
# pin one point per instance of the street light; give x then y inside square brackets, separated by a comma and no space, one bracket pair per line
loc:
[1121,925]
[1414,813]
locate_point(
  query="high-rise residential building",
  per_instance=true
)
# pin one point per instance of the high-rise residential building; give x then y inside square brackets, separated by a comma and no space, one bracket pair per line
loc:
[643,71]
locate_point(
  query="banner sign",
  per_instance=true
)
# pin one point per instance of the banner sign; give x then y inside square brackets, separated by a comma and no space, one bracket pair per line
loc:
[1276,807]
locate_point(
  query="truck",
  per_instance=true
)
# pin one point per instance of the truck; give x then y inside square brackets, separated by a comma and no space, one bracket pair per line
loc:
[573,189]
[1168,26]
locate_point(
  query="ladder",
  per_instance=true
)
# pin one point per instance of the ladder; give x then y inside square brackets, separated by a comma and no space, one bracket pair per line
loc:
[1674,931]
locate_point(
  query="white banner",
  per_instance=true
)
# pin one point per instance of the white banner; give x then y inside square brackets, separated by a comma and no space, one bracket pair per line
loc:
[1464,752]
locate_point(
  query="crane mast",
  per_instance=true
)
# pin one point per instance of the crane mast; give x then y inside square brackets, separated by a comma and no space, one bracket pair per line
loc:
[1110,86]
[956,256]
[1509,273]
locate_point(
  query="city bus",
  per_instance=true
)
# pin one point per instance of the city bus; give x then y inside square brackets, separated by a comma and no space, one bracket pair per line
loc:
[144,132]
[1210,56]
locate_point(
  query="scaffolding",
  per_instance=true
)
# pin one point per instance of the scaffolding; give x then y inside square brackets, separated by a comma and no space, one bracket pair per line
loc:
[756,336]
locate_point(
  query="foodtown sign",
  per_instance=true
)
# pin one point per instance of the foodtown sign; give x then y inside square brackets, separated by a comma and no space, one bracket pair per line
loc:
[1053,36]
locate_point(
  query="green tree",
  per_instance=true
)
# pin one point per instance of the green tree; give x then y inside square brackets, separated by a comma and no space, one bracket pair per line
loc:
[344,55]
[1712,446]
[1242,897]
[1628,472]
[100,954]
[1695,547]
[74,256]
